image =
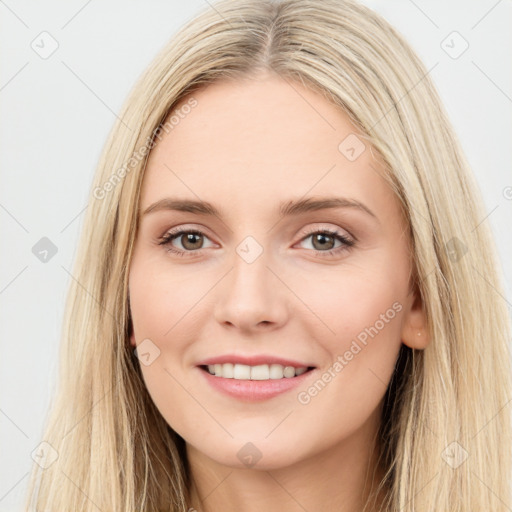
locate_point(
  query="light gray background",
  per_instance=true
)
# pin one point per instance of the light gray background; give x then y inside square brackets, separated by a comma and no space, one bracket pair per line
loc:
[57,112]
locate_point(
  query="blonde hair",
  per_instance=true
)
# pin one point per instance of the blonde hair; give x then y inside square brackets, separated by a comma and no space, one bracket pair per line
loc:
[446,433]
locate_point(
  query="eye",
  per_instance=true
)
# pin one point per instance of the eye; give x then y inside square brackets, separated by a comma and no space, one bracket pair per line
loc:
[192,241]
[189,238]
[323,240]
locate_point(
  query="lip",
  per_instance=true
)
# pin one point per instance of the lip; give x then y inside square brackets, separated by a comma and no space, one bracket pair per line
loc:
[254,360]
[254,390]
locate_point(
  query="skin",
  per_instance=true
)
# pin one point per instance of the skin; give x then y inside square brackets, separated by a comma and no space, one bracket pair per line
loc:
[247,146]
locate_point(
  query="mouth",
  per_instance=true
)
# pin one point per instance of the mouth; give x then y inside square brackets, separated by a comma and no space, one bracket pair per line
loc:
[261,372]
[255,383]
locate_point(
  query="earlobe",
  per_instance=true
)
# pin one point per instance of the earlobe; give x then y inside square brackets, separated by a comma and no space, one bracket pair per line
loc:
[419,340]
[415,332]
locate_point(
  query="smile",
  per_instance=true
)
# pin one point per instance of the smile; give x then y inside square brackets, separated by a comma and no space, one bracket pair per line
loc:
[258,372]
[268,380]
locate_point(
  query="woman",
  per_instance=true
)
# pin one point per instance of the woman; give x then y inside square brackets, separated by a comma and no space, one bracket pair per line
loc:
[282,298]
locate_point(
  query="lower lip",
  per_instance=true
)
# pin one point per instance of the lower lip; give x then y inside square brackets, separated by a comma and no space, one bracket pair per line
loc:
[254,390]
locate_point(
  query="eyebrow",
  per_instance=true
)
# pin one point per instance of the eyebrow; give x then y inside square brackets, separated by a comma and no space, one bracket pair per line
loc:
[286,209]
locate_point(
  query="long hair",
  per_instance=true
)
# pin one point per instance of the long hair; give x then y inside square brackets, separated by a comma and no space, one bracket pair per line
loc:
[445,430]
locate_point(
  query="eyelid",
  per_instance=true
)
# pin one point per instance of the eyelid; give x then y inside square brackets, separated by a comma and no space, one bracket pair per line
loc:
[323,227]
[309,231]
[187,228]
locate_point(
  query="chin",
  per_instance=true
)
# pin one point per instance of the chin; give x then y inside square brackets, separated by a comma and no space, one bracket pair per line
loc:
[259,455]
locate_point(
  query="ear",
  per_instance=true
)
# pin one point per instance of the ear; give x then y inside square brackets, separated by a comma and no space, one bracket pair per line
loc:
[414,326]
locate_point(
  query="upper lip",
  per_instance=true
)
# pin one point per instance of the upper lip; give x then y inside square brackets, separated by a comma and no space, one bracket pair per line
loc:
[254,360]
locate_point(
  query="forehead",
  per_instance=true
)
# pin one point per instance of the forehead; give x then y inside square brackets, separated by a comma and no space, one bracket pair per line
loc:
[258,142]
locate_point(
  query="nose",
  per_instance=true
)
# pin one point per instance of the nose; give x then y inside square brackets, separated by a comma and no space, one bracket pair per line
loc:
[252,296]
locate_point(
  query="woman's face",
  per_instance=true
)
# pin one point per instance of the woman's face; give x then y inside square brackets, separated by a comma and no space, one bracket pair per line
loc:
[315,287]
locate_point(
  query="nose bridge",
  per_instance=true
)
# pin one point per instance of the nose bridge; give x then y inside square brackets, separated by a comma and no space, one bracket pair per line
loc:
[251,293]
[250,270]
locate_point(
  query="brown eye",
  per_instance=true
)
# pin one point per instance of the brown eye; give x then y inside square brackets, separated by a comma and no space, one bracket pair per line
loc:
[191,241]
[323,241]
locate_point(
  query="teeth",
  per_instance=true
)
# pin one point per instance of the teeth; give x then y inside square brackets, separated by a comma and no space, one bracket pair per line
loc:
[260,372]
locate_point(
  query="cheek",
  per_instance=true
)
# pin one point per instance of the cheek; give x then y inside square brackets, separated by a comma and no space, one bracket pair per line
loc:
[354,297]
[158,311]
[360,330]
[164,305]
[369,339]
[160,300]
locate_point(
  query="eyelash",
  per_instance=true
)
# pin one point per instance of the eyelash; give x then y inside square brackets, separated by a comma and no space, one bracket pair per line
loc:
[171,235]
